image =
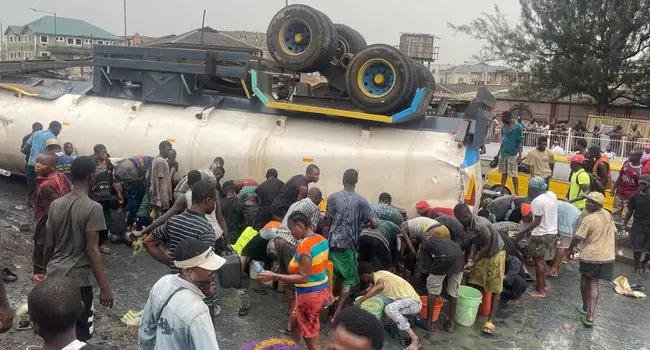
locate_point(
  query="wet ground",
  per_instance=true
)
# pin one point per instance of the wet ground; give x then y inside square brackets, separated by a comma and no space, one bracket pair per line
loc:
[551,323]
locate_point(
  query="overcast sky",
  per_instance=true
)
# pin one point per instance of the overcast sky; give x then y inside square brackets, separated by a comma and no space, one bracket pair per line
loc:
[379,21]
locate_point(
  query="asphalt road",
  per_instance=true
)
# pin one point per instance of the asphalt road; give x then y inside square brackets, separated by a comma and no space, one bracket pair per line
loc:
[551,323]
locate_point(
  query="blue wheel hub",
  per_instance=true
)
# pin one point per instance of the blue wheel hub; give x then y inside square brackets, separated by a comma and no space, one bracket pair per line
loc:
[376,78]
[295,37]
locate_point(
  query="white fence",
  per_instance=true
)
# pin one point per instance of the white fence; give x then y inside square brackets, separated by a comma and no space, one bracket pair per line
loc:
[567,140]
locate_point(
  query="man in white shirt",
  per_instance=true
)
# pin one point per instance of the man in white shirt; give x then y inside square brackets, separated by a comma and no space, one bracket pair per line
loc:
[542,230]
[54,308]
[175,316]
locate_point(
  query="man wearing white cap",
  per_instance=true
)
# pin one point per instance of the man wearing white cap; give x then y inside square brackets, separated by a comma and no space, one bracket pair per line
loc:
[175,316]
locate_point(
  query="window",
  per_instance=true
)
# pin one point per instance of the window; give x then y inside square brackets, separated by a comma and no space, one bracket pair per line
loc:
[44,39]
[27,39]
[20,54]
[12,38]
[11,55]
[45,54]
[460,80]
[17,38]
[113,43]
[77,42]
[88,41]
[100,42]
[60,39]
[70,41]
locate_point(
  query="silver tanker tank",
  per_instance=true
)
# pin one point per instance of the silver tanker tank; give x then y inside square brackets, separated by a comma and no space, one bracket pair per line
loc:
[412,165]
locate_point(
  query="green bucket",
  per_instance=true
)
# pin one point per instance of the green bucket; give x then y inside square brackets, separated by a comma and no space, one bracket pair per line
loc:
[469,300]
[373,305]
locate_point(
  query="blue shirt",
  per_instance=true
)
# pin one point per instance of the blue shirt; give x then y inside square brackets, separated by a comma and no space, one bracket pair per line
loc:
[37,142]
[63,164]
[348,211]
[567,215]
[511,141]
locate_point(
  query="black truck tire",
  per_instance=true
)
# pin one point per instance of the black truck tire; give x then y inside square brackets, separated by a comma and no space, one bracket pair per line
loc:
[399,83]
[301,38]
[348,41]
[425,76]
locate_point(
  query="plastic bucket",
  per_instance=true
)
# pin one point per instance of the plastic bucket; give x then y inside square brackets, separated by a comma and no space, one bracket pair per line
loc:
[436,308]
[486,305]
[469,300]
[373,305]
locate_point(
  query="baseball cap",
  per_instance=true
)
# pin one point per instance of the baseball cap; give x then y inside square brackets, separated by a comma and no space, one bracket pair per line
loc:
[51,142]
[194,253]
[596,197]
[422,205]
[577,158]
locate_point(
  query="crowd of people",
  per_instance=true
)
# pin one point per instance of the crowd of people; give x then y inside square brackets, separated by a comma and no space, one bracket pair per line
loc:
[334,253]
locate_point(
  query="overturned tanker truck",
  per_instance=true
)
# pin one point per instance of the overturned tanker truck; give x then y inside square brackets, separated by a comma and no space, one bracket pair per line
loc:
[258,113]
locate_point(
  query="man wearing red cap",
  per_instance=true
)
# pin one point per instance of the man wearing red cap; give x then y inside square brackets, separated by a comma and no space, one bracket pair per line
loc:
[580,181]
[424,209]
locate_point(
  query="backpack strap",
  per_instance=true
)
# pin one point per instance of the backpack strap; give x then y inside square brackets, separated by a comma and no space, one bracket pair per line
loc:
[169,298]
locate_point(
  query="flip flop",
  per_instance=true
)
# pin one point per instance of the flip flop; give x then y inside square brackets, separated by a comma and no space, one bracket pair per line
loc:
[581,310]
[587,323]
[489,328]
[8,276]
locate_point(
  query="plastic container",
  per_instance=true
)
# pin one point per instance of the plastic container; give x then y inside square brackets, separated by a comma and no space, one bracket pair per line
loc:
[436,308]
[373,305]
[469,300]
[486,305]
[6,173]
[255,268]
[21,318]
[230,273]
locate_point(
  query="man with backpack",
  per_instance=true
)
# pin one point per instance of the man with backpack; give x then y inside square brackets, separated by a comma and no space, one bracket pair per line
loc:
[175,316]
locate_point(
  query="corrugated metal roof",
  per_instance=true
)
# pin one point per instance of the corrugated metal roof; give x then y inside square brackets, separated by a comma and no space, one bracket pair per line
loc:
[68,27]
[14,29]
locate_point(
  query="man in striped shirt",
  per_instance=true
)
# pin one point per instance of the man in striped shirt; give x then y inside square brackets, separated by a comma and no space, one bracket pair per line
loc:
[191,224]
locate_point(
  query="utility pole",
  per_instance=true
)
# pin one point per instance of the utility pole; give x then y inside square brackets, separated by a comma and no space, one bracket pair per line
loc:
[202,29]
[50,13]
[286,3]
[2,51]
[126,40]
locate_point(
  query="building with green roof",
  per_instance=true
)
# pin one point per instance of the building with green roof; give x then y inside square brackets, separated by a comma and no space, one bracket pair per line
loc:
[43,38]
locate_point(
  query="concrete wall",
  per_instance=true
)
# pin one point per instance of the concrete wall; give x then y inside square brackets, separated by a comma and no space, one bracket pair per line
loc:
[545,111]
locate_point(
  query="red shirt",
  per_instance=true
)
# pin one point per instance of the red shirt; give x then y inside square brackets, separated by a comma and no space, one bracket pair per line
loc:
[628,180]
[47,190]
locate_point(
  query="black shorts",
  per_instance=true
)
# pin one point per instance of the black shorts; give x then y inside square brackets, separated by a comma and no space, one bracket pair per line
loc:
[600,271]
[256,250]
[639,239]
[85,323]
[373,251]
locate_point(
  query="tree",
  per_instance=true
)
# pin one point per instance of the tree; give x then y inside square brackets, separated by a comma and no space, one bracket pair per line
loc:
[595,47]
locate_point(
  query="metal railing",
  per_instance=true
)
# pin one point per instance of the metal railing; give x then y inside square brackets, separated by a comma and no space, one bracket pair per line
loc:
[618,149]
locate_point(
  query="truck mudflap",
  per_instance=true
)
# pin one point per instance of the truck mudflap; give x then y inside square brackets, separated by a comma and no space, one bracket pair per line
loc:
[471,179]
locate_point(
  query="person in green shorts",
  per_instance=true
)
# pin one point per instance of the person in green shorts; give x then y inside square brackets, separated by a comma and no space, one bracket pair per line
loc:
[347,212]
